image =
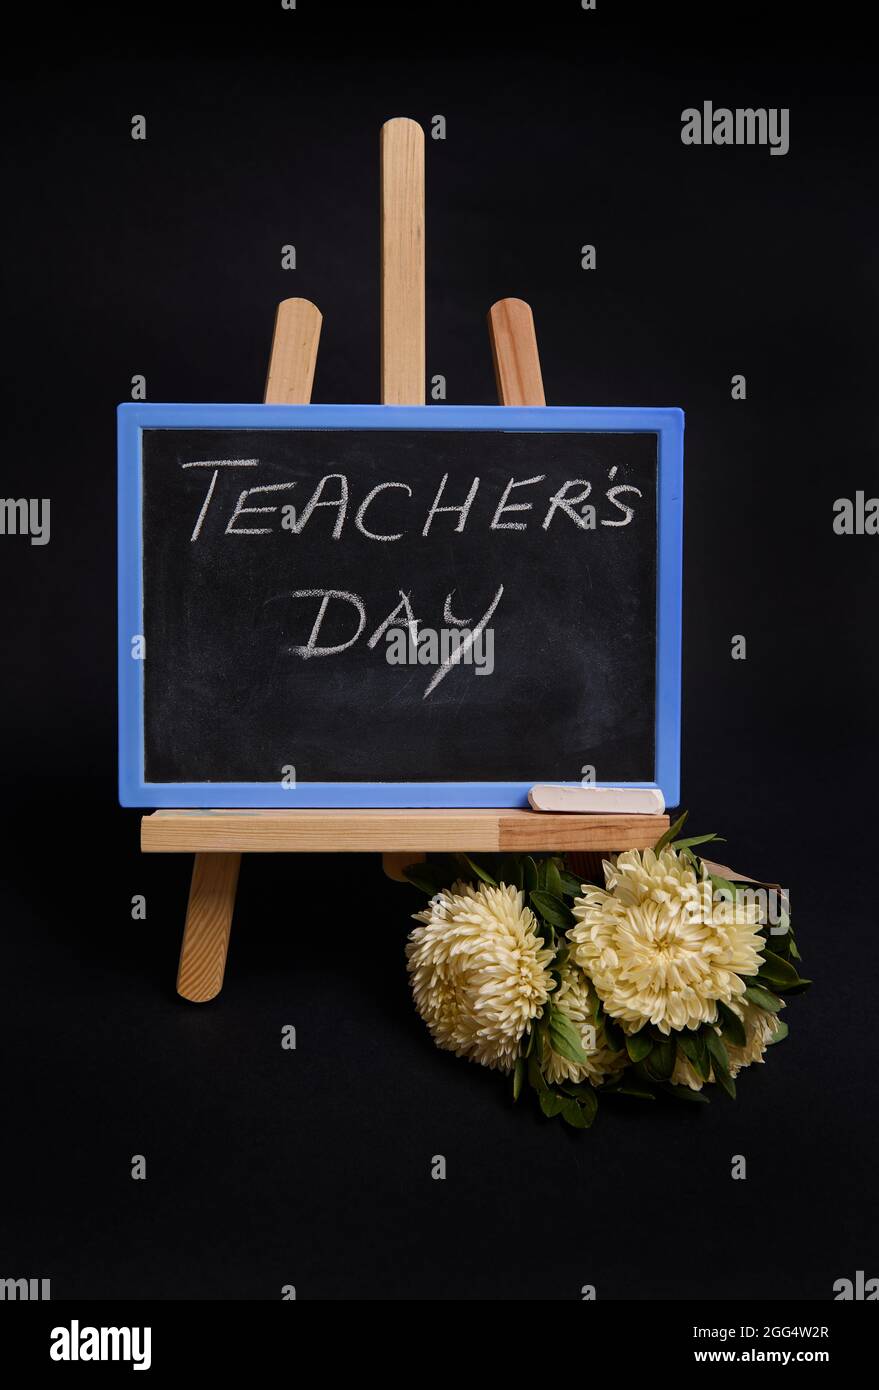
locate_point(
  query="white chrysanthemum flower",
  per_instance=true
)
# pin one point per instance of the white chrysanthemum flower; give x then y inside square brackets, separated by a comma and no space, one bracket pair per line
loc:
[685,1074]
[659,947]
[479,971]
[576,998]
[760,1028]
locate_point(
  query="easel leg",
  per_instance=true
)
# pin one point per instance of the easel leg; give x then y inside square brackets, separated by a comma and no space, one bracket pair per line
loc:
[208,923]
[395,861]
[402,276]
[514,350]
[215,876]
[520,382]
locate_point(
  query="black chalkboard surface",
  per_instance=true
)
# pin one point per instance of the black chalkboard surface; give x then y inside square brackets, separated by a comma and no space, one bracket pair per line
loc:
[285,574]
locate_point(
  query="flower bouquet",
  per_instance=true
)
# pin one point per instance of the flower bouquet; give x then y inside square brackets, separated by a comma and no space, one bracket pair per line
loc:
[666,979]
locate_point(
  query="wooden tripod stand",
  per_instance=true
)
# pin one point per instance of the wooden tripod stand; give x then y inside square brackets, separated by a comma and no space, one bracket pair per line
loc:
[218,838]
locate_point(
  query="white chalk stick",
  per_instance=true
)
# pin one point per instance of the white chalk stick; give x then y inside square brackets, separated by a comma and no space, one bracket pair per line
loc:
[609,801]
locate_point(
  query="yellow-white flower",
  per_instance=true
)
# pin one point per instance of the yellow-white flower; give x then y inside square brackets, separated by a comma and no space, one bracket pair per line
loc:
[479,971]
[760,1028]
[685,1074]
[658,945]
[576,998]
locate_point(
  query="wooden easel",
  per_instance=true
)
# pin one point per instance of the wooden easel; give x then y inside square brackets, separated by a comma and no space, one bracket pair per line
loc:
[218,838]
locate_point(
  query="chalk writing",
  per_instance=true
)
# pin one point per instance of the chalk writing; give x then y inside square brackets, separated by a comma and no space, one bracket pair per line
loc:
[565,506]
[565,502]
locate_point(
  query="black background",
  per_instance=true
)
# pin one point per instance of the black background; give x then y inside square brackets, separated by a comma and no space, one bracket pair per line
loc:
[312,1167]
[573,630]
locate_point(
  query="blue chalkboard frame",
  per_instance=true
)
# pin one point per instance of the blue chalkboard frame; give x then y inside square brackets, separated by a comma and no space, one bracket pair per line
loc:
[134,417]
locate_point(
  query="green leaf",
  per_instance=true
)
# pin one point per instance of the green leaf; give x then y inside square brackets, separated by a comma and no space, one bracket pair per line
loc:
[551,1103]
[616,1038]
[763,998]
[589,1101]
[510,871]
[535,1075]
[780,944]
[723,885]
[777,972]
[781,1032]
[798,988]
[552,909]
[731,1026]
[685,1093]
[529,874]
[629,1088]
[571,885]
[671,833]
[703,1058]
[563,1036]
[552,880]
[638,1045]
[561,957]
[574,1116]
[581,1112]
[793,948]
[662,1059]
[479,871]
[546,933]
[725,1081]
[519,1074]
[697,840]
[426,877]
[717,1050]
[695,1049]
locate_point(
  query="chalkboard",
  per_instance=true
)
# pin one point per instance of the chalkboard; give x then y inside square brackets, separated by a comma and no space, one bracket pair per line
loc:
[394,606]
